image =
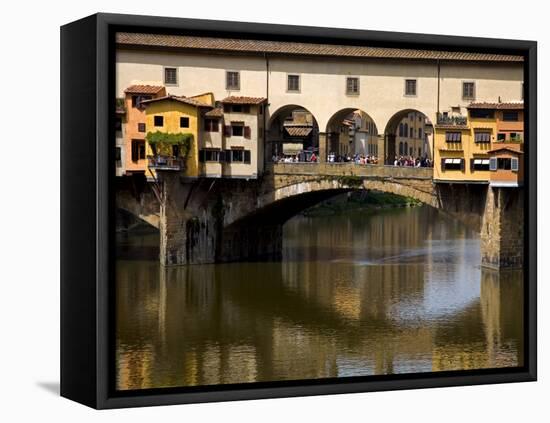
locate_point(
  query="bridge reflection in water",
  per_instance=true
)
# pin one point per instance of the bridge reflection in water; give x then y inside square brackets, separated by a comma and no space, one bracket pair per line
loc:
[397,291]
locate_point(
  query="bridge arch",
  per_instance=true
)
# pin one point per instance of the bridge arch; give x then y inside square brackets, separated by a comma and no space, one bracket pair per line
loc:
[408,132]
[352,131]
[291,131]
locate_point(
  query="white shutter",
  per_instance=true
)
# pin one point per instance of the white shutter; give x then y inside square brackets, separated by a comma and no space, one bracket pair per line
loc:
[493,163]
[515,164]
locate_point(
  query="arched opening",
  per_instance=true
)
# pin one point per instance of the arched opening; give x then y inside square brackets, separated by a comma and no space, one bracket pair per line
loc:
[292,135]
[352,135]
[409,139]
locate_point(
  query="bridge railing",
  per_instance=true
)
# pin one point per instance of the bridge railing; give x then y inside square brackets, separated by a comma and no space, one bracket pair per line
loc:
[350,169]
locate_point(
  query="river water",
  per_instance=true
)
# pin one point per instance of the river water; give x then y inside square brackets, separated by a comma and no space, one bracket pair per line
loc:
[356,294]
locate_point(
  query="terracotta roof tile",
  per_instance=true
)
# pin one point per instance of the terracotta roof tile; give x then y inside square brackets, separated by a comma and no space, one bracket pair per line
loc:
[217,112]
[285,47]
[185,100]
[143,89]
[506,148]
[243,100]
[500,106]
[296,131]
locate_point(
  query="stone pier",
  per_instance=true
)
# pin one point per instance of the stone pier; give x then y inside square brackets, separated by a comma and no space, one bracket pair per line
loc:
[502,229]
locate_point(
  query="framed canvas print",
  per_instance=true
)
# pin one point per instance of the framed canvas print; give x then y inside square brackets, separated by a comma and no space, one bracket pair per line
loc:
[255,211]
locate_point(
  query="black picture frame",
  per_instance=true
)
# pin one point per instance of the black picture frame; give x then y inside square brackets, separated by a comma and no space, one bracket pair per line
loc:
[87,172]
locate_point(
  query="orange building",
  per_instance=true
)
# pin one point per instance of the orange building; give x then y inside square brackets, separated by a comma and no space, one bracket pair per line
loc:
[507,164]
[134,158]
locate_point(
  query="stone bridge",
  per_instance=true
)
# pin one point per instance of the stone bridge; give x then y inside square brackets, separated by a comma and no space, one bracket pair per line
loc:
[217,220]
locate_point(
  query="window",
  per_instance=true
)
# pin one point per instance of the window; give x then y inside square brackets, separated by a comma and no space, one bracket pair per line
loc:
[405,130]
[401,131]
[211,155]
[482,113]
[237,155]
[482,137]
[176,150]
[468,90]
[504,163]
[211,125]
[137,99]
[352,86]
[420,133]
[401,148]
[515,136]
[515,164]
[118,124]
[118,154]
[410,87]
[452,164]
[236,129]
[170,76]
[493,163]
[232,80]
[510,116]
[453,136]
[480,164]
[138,150]
[238,108]
[501,137]
[184,122]
[411,132]
[141,127]
[158,120]
[293,83]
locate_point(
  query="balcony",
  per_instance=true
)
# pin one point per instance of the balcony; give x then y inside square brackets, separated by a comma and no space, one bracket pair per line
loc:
[443,119]
[160,162]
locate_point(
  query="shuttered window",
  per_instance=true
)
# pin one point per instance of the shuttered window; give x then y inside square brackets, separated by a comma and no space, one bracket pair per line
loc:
[352,86]
[515,164]
[468,90]
[293,83]
[482,137]
[410,86]
[211,125]
[453,136]
[170,76]
[232,80]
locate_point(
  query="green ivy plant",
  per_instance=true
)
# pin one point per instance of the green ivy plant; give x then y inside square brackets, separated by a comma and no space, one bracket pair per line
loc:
[163,142]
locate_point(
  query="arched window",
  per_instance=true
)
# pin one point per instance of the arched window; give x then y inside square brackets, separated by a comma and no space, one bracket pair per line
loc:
[420,133]
[406,148]
[406,130]
[401,148]
[400,129]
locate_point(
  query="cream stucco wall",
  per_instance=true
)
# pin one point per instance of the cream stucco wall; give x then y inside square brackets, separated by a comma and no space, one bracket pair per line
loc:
[322,81]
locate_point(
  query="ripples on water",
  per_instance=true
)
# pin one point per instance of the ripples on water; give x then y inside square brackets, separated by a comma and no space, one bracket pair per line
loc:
[397,291]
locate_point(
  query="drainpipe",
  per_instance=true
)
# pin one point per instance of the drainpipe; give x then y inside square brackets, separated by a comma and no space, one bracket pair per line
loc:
[266,105]
[438,83]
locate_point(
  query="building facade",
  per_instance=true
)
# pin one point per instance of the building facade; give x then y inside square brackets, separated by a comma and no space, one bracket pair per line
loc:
[483,147]
[327,81]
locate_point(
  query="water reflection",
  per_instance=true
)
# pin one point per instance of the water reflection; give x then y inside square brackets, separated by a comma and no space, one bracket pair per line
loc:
[359,294]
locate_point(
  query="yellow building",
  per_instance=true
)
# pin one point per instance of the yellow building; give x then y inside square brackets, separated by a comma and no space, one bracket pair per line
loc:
[172,127]
[462,146]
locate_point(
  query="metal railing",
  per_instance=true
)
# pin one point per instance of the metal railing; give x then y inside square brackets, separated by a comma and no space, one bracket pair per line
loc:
[451,120]
[161,162]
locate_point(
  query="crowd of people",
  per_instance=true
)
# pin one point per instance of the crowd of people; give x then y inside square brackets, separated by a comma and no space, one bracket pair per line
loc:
[412,162]
[359,159]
